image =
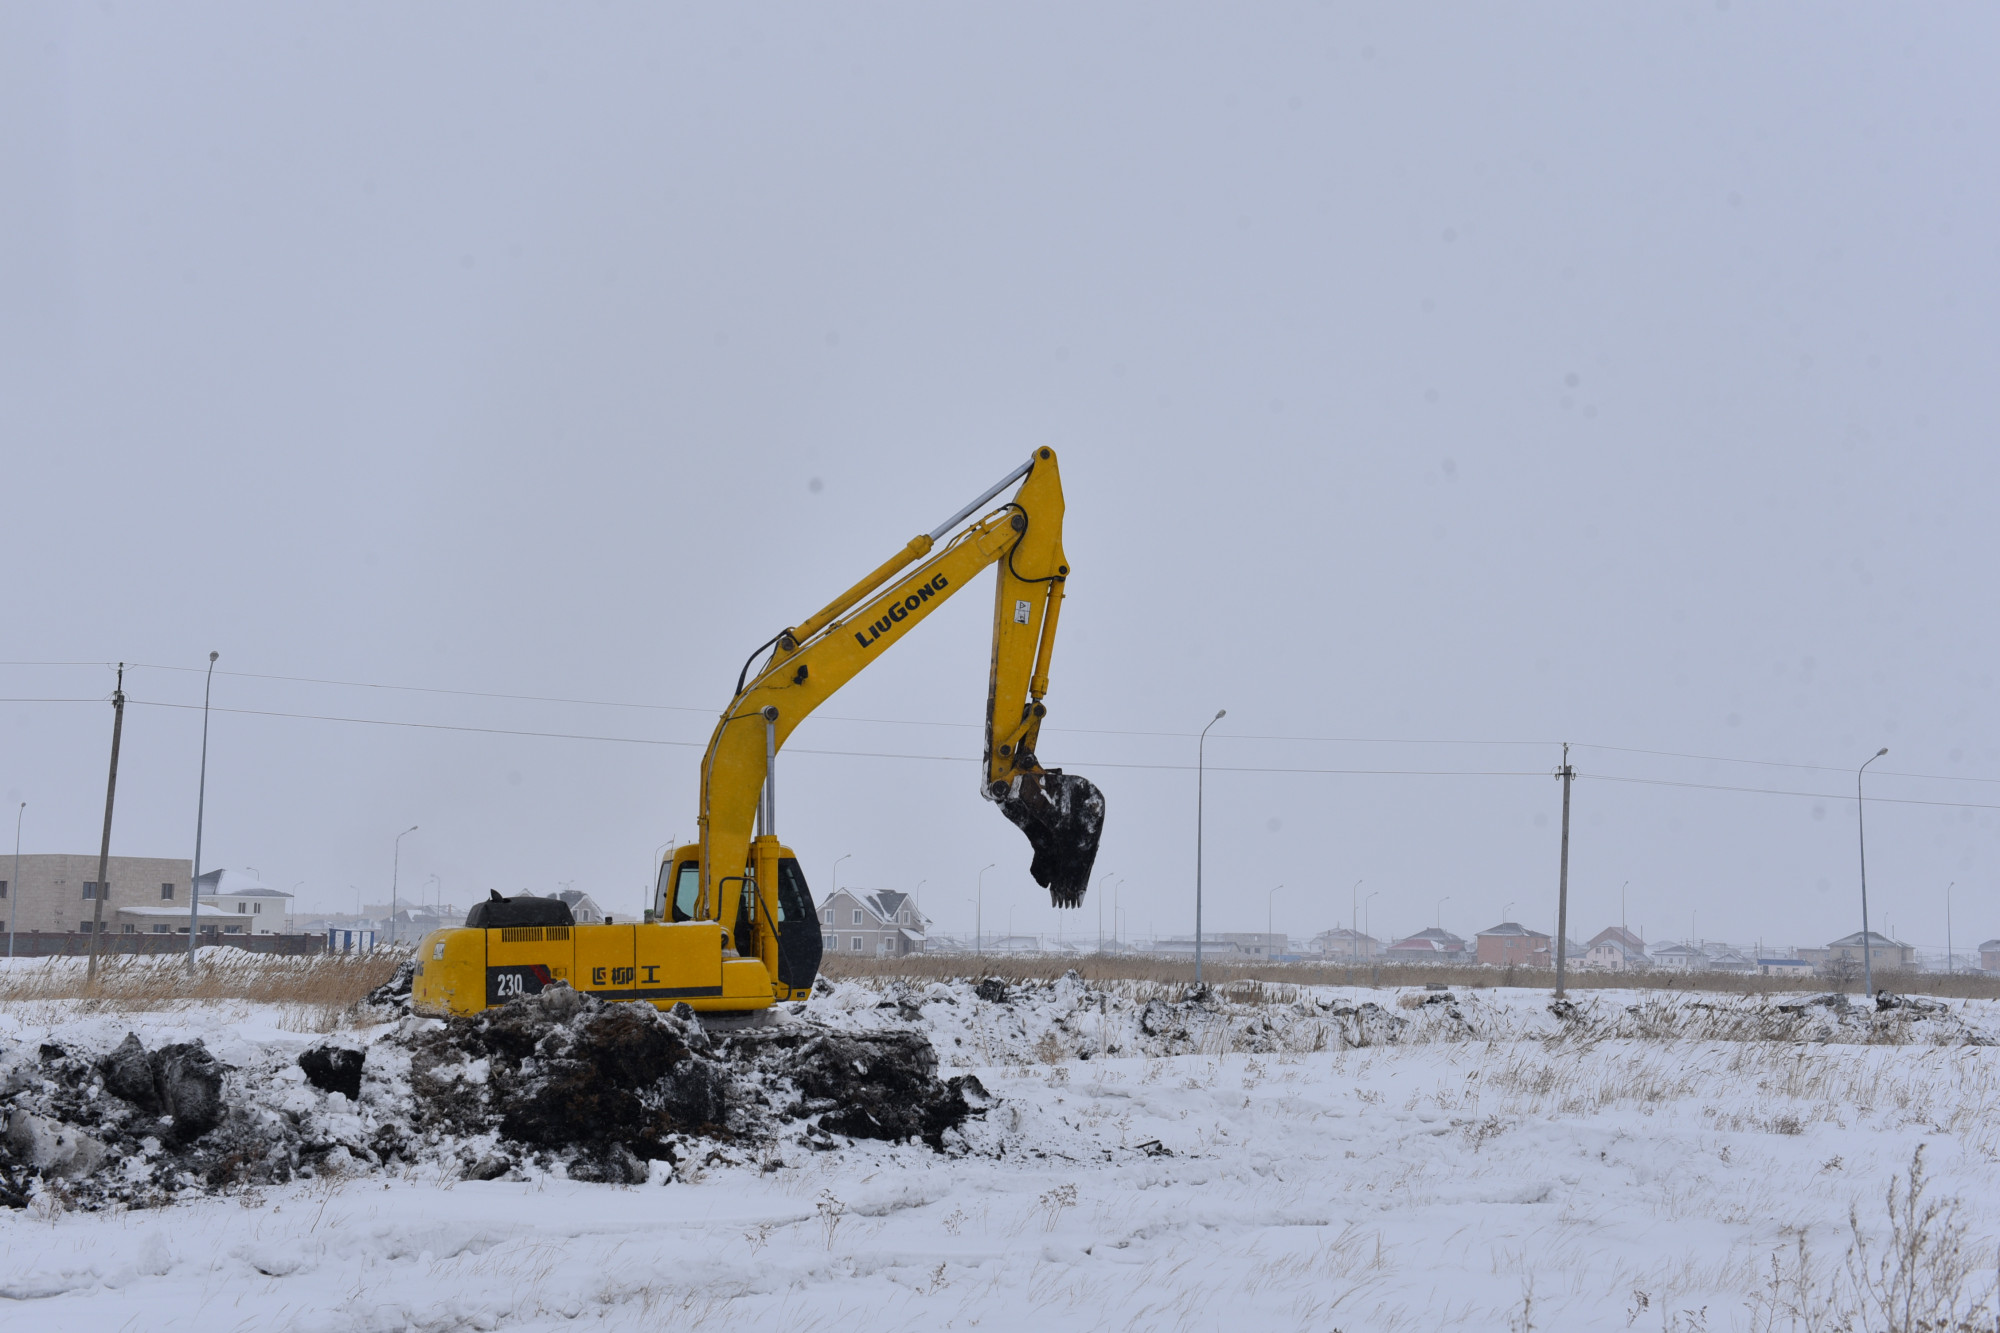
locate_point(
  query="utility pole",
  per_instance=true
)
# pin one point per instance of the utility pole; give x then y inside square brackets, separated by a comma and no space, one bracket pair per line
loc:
[1562,880]
[14,912]
[104,848]
[1947,914]
[200,808]
[978,912]
[1354,920]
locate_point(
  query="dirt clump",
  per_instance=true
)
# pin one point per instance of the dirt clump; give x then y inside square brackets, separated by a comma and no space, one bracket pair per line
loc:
[335,1069]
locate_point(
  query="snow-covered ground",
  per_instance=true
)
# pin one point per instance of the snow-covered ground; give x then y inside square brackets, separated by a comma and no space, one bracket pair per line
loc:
[1288,1160]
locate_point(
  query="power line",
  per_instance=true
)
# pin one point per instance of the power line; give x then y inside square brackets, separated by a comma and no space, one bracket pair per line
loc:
[1773,791]
[793,749]
[908,722]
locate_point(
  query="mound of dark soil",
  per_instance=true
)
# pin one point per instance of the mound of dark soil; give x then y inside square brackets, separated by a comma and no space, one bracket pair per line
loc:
[395,992]
[877,1085]
[608,1087]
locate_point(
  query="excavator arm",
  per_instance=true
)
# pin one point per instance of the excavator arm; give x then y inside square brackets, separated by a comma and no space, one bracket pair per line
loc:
[1061,814]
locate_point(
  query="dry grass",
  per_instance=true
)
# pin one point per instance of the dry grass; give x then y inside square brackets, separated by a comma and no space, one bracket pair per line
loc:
[1179,972]
[319,988]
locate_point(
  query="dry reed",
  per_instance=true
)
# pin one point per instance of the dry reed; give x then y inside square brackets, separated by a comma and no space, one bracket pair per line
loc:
[327,982]
[1180,972]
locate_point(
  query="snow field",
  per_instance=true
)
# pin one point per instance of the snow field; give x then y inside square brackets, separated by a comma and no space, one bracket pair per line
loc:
[1484,1165]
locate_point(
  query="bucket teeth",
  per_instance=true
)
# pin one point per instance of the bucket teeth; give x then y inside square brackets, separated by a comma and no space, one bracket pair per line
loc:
[1063,816]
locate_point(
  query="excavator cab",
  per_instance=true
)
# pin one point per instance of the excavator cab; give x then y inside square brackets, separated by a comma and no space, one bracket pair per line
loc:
[776,924]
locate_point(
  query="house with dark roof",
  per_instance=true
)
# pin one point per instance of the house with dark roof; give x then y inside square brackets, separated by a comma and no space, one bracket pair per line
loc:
[881,924]
[1677,957]
[1434,945]
[1511,944]
[581,906]
[1882,951]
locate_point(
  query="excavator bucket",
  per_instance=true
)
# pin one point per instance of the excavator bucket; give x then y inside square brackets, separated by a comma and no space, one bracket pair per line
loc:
[1063,816]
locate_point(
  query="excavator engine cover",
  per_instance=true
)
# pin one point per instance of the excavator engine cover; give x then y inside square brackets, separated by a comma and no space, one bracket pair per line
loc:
[526,910]
[1063,816]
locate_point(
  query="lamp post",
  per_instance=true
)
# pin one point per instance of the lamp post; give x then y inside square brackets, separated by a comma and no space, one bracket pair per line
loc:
[1354,920]
[14,911]
[1364,912]
[1200,773]
[1440,910]
[1270,931]
[836,870]
[1947,915]
[395,874]
[200,805]
[979,914]
[1117,941]
[1100,913]
[1861,833]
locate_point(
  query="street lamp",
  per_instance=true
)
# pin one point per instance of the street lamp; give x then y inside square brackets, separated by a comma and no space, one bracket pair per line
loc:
[979,914]
[1200,772]
[1440,910]
[1100,911]
[1508,908]
[836,872]
[395,874]
[1354,919]
[1270,931]
[200,805]
[1861,832]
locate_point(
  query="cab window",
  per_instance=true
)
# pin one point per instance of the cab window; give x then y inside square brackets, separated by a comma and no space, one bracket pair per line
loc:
[687,890]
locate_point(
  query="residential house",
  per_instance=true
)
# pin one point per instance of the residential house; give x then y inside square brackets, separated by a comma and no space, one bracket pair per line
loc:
[1511,944]
[1615,956]
[1251,944]
[1343,944]
[882,924]
[1615,949]
[1989,956]
[1677,957]
[1212,946]
[582,906]
[1013,944]
[1433,945]
[1722,958]
[1882,951]
[1784,967]
[59,892]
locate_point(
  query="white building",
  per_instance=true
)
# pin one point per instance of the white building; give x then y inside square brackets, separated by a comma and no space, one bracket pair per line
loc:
[1345,944]
[1677,957]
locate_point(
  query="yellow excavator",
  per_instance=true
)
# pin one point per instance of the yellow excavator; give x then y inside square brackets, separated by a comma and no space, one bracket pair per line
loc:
[732,926]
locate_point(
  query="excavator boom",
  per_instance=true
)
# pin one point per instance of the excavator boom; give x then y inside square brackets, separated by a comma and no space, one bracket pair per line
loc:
[1061,814]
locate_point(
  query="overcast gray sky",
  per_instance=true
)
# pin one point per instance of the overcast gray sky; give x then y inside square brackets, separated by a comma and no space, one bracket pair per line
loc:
[1462,378]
